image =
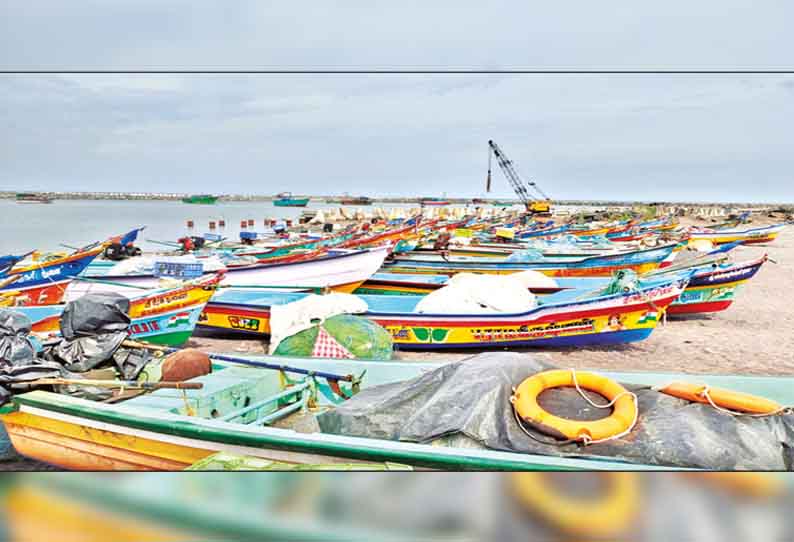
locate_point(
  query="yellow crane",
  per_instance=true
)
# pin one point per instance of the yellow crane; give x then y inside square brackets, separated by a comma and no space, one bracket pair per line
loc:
[532,203]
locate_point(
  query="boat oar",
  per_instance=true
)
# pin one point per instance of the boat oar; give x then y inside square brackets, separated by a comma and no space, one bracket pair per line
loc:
[127,384]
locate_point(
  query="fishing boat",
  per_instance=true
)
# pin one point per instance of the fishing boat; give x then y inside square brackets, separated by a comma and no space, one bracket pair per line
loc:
[433,201]
[640,261]
[32,197]
[339,270]
[750,236]
[286,199]
[45,281]
[270,411]
[565,318]
[201,199]
[357,200]
[712,286]
[165,316]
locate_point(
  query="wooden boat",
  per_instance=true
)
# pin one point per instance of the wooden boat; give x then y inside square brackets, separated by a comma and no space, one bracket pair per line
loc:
[201,199]
[711,288]
[358,200]
[164,316]
[433,201]
[285,199]
[235,411]
[640,261]
[750,236]
[45,282]
[32,197]
[566,318]
[339,270]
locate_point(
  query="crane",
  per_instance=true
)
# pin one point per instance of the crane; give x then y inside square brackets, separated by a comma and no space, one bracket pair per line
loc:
[532,203]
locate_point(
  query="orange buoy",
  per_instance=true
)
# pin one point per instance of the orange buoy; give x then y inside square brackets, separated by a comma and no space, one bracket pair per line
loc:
[610,514]
[623,402]
[722,398]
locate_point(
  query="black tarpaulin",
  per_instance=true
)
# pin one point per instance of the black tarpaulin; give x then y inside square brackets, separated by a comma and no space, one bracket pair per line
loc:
[470,399]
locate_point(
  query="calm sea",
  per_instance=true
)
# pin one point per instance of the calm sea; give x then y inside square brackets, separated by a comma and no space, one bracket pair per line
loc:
[80,222]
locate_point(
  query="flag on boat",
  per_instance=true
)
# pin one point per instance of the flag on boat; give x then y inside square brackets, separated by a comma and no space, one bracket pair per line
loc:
[179,319]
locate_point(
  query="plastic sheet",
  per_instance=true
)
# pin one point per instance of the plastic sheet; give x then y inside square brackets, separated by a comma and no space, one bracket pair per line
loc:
[467,404]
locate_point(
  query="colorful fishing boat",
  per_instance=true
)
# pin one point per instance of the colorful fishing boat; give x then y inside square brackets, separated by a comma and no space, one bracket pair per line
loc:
[358,200]
[286,199]
[339,270]
[433,201]
[201,199]
[750,236]
[237,407]
[163,316]
[640,261]
[32,197]
[566,318]
[44,282]
[711,288]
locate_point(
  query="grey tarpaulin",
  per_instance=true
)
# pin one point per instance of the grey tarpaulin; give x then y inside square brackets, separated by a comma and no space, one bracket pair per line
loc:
[95,314]
[18,361]
[93,328]
[469,401]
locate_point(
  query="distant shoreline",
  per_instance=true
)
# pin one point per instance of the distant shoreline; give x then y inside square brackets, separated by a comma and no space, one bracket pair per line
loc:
[141,196]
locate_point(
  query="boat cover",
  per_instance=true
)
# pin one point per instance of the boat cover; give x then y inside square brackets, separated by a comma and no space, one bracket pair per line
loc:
[470,293]
[466,404]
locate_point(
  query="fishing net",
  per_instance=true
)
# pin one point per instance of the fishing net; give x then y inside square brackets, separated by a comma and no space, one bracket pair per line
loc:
[467,404]
[340,336]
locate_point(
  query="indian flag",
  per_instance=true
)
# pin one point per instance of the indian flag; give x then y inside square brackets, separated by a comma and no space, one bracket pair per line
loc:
[650,316]
[179,319]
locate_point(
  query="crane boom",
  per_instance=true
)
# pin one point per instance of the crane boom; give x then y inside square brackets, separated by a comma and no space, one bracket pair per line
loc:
[519,186]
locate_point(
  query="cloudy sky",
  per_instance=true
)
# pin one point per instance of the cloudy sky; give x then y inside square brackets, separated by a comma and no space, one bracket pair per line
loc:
[648,136]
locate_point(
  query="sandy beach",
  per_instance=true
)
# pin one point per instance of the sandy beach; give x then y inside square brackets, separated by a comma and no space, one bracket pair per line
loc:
[755,335]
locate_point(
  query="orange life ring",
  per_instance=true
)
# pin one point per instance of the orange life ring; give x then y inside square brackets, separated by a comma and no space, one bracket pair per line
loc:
[609,515]
[624,406]
[722,398]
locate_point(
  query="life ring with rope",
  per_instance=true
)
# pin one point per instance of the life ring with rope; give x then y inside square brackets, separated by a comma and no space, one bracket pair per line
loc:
[623,403]
[610,514]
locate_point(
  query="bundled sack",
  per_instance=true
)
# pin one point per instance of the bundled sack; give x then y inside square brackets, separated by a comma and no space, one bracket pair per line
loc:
[469,293]
[468,404]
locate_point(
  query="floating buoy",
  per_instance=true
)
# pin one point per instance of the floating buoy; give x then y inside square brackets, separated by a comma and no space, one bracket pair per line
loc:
[721,398]
[608,515]
[623,402]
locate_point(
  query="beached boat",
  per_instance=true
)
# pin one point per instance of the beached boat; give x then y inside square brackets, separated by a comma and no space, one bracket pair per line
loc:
[711,288]
[566,318]
[44,282]
[237,408]
[750,236]
[163,316]
[201,199]
[32,197]
[640,261]
[285,199]
[339,270]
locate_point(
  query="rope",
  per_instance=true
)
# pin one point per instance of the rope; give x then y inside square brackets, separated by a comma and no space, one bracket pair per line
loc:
[585,438]
[705,393]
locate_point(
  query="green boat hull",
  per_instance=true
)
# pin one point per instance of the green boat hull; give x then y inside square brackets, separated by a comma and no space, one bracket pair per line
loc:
[291,202]
[202,200]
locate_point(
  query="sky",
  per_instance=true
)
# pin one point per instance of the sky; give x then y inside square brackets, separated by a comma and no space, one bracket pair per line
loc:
[679,137]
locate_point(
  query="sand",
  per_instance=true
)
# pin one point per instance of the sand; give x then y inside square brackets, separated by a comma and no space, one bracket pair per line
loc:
[755,335]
